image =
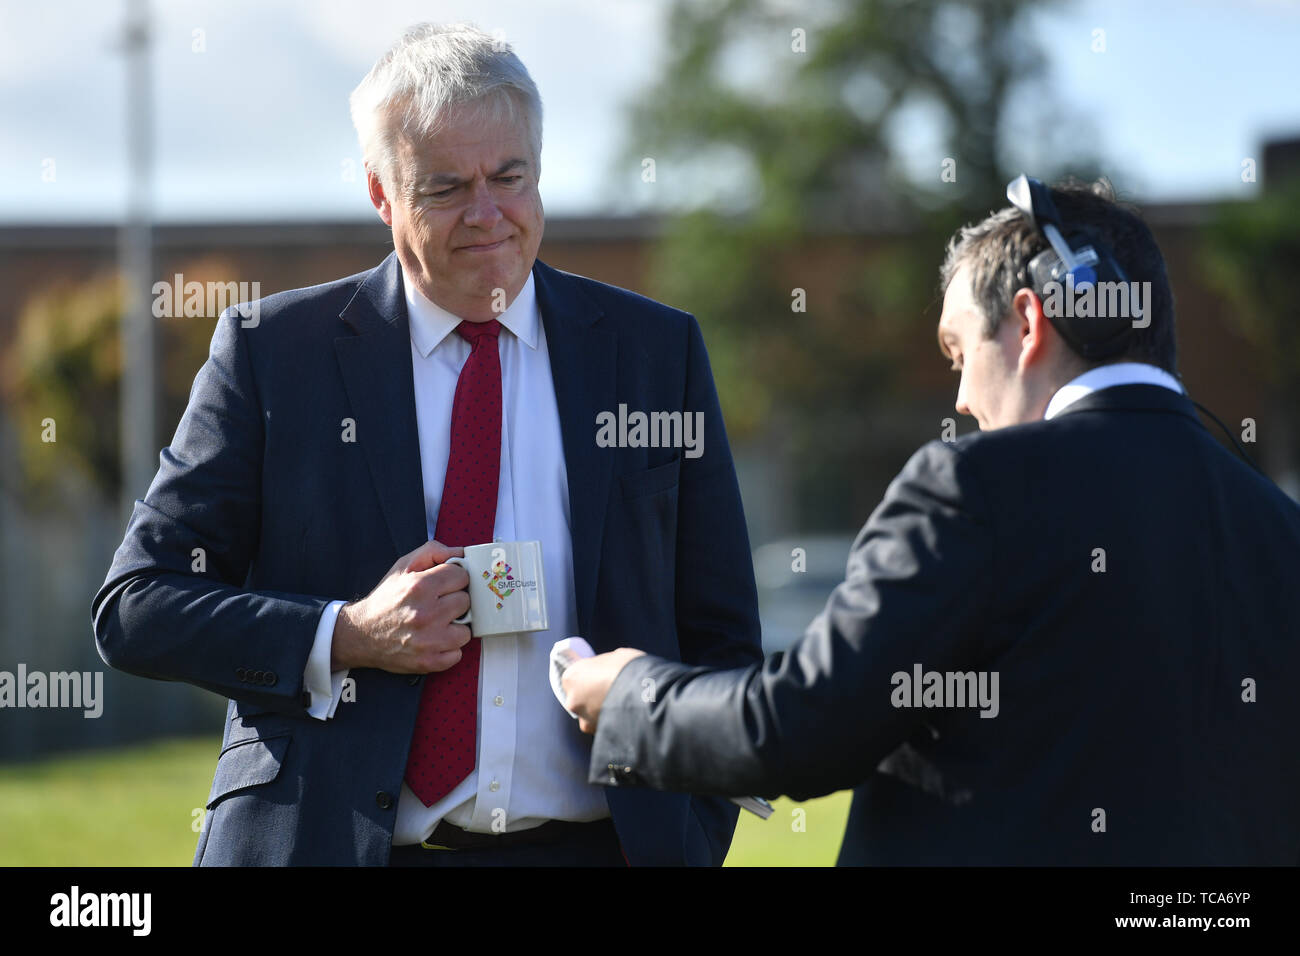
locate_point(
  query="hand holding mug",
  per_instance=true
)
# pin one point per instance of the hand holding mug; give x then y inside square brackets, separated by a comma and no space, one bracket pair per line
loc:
[507,589]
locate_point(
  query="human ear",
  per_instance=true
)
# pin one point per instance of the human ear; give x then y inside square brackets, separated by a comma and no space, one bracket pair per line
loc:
[378,197]
[1035,333]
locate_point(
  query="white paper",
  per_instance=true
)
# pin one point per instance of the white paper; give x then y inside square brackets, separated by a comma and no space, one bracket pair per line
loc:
[562,654]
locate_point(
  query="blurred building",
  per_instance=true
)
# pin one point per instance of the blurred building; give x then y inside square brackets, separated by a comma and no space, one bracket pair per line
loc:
[51,564]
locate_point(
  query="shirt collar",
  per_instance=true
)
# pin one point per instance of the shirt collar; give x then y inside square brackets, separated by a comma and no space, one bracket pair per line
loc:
[431,323]
[1107,376]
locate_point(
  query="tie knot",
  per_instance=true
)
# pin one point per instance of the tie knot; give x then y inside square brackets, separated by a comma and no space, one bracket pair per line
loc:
[471,332]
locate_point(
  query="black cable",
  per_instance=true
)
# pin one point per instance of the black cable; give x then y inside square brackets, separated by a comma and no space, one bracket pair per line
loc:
[1231,437]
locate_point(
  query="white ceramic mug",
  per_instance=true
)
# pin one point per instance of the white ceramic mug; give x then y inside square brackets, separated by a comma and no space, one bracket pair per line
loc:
[507,590]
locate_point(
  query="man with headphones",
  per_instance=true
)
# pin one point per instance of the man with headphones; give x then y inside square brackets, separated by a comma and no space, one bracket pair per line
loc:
[1068,638]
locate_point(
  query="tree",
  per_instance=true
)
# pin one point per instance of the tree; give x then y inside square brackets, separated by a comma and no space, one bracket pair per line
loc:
[1249,256]
[775,138]
[66,367]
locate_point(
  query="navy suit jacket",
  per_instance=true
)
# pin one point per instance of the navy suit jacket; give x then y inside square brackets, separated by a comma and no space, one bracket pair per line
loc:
[261,514]
[1158,689]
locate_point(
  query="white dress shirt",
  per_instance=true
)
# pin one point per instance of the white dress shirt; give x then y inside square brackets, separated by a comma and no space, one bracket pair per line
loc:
[532,759]
[1108,376]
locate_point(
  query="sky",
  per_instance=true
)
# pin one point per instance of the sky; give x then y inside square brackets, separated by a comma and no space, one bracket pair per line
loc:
[252,123]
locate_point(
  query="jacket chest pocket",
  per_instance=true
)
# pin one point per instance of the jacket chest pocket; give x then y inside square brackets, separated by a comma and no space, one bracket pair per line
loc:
[642,484]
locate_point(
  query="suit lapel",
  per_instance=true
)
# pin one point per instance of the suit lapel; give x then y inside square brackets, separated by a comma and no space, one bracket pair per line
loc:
[376,367]
[583,368]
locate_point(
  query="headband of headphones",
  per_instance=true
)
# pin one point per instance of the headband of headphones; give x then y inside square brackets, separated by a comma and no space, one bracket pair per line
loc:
[1074,260]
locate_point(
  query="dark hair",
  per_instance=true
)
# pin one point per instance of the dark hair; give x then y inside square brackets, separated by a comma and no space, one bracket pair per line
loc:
[998,248]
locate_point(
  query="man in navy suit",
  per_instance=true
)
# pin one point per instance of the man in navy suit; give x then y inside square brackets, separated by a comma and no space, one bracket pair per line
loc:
[286,554]
[1068,638]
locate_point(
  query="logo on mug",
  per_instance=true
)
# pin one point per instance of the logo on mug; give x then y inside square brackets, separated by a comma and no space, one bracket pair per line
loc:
[500,581]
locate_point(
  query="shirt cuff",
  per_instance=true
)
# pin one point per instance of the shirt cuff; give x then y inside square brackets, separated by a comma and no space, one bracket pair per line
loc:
[326,688]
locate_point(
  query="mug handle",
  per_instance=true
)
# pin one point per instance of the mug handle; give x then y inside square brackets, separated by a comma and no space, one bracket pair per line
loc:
[467,617]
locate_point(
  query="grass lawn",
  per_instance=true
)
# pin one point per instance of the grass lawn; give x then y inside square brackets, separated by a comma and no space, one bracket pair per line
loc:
[134,807]
[126,807]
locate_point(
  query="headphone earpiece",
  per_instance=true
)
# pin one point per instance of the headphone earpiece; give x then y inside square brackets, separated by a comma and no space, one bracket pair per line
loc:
[1073,261]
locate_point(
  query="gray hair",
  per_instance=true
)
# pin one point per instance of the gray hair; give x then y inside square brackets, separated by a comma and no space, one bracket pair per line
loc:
[432,69]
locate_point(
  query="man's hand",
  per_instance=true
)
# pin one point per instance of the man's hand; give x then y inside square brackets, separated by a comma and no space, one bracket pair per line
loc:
[587,681]
[404,624]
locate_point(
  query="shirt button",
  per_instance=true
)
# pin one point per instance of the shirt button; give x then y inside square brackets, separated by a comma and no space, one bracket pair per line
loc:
[494,786]
[498,700]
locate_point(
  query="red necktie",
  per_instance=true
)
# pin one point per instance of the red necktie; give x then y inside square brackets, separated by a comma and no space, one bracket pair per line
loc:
[443,744]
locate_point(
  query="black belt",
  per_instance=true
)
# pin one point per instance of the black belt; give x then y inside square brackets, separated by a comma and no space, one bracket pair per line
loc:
[446,836]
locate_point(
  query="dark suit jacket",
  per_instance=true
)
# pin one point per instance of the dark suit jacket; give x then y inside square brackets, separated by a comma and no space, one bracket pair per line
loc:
[1120,690]
[289,517]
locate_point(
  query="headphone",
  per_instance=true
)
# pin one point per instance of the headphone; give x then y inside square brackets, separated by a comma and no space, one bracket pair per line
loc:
[1075,260]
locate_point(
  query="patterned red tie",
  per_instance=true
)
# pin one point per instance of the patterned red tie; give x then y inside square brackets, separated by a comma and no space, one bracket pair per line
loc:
[443,745]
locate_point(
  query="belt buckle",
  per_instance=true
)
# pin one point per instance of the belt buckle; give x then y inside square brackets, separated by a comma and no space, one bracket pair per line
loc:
[435,846]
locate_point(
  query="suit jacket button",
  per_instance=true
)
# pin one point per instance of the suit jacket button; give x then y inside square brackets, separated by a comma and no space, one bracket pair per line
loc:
[241,673]
[255,677]
[383,799]
[269,678]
